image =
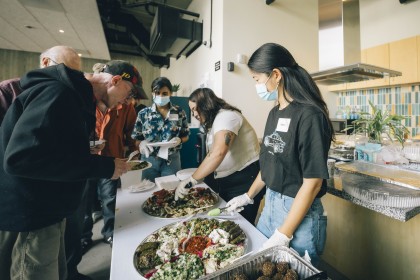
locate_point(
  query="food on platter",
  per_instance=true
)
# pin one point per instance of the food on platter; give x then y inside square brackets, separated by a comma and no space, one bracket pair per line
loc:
[272,271]
[194,245]
[220,255]
[137,165]
[187,266]
[189,249]
[162,203]
[147,255]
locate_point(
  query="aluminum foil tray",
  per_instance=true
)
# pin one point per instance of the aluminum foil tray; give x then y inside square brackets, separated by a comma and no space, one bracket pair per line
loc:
[387,173]
[253,264]
[381,185]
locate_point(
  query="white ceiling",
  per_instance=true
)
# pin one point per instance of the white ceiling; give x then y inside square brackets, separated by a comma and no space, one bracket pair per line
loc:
[79,19]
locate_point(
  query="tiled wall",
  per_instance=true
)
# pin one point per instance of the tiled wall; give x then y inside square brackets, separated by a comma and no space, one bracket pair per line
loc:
[401,100]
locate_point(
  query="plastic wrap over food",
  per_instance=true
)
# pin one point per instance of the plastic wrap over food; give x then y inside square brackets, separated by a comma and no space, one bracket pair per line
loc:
[381,185]
[388,173]
[252,265]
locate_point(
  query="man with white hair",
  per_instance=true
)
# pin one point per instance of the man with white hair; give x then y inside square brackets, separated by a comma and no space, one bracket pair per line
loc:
[9,89]
[46,159]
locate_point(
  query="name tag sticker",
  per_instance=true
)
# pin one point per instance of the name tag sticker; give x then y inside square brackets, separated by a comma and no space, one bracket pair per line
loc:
[173,117]
[283,125]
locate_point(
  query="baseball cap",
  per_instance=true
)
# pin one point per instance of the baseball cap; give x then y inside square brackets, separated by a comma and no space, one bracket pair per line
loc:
[128,73]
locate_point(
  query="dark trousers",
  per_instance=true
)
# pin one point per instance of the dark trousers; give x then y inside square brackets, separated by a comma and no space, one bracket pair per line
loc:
[106,191]
[72,236]
[236,184]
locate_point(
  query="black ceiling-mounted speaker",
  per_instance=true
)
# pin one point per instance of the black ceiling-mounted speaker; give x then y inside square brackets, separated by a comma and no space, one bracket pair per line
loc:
[268,2]
[403,1]
[171,35]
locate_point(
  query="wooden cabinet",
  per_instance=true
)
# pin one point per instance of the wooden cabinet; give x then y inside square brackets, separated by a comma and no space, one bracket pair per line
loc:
[418,58]
[338,87]
[363,55]
[378,56]
[403,56]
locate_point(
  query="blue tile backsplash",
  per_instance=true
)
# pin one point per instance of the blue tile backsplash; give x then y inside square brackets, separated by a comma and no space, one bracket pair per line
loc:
[401,100]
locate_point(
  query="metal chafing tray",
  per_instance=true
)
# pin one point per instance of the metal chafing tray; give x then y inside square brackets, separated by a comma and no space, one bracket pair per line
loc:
[137,252]
[252,265]
[388,186]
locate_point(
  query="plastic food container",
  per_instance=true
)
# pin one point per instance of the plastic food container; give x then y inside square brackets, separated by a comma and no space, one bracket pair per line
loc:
[252,265]
[388,186]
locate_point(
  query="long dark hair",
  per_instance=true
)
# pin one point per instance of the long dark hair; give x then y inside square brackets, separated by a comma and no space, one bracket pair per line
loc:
[296,80]
[208,105]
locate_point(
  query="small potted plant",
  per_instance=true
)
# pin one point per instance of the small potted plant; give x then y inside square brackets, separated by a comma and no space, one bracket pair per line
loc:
[175,88]
[374,125]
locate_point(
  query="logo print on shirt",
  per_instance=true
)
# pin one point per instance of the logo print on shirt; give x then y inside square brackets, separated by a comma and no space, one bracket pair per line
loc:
[274,140]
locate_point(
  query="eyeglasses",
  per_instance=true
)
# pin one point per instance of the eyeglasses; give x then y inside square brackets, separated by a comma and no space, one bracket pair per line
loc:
[53,61]
[132,93]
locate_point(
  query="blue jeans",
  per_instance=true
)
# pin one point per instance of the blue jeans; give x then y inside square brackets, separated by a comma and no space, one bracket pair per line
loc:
[161,167]
[107,194]
[311,233]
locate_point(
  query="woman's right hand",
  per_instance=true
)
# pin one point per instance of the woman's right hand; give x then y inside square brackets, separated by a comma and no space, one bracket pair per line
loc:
[238,203]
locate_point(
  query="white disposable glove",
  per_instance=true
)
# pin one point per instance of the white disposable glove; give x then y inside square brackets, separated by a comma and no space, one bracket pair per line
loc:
[183,187]
[277,238]
[176,141]
[145,149]
[237,203]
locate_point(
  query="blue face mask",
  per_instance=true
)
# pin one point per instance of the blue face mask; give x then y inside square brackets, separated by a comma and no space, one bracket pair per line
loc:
[161,100]
[263,92]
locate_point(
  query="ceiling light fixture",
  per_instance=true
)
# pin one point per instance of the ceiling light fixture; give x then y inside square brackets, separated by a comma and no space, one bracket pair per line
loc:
[61,30]
[79,54]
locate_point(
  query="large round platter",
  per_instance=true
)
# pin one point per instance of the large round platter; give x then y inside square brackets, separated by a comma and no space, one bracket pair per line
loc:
[190,249]
[162,203]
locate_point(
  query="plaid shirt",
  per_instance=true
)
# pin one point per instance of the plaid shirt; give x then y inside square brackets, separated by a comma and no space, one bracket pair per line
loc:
[151,126]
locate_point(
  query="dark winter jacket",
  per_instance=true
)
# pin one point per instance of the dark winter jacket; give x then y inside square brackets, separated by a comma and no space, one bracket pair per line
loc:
[44,149]
[9,89]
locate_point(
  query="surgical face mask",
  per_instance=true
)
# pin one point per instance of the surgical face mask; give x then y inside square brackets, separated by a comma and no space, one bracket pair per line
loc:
[161,100]
[263,92]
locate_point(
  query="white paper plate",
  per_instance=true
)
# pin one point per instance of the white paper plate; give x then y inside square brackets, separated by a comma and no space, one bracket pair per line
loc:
[185,173]
[136,161]
[161,144]
[141,187]
[97,142]
[133,177]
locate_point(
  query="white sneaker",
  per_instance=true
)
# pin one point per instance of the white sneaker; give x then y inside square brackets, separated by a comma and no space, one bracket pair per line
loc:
[96,216]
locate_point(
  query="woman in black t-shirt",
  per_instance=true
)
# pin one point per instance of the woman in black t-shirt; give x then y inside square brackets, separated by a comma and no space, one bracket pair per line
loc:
[293,155]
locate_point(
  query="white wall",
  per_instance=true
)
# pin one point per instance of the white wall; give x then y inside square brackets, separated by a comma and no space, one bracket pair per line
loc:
[291,23]
[192,71]
[241,26]
[383,21]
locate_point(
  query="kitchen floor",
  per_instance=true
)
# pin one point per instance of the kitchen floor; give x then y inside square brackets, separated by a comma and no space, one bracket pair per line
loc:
[96,262]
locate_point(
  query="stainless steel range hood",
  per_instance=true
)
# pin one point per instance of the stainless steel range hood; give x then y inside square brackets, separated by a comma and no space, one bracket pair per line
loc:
[352,73]
[339,46]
